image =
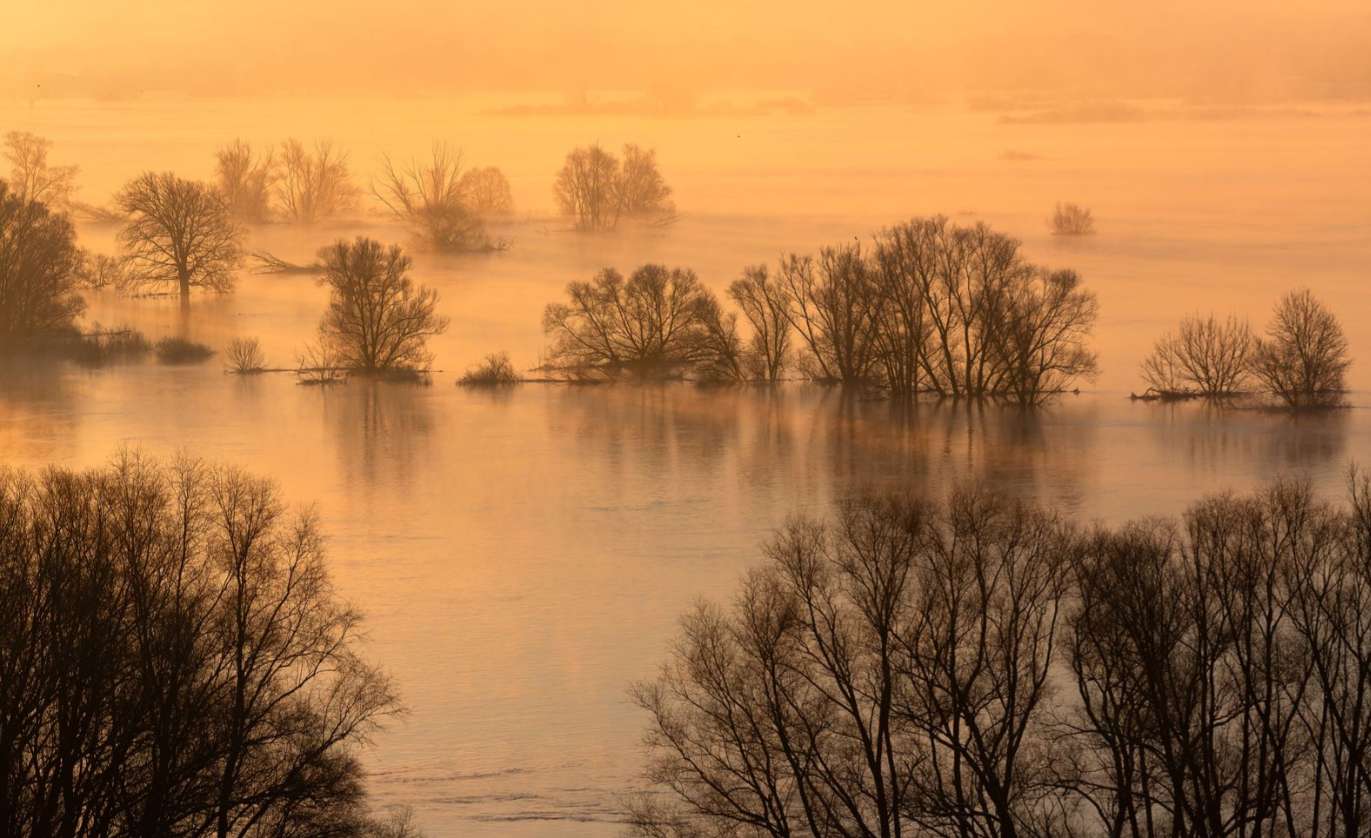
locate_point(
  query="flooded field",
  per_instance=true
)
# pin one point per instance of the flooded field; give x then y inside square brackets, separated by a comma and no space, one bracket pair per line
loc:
[522,556]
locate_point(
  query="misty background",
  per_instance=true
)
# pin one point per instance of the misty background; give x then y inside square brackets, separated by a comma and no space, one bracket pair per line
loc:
[1221,51]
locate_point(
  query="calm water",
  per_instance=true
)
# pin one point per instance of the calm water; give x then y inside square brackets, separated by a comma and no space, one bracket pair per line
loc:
[524,555]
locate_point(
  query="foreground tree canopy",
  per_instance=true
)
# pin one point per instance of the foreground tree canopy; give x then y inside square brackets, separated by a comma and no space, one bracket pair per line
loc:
[974,667]
[40,268]
[174,660]
[180,233]
[930,307]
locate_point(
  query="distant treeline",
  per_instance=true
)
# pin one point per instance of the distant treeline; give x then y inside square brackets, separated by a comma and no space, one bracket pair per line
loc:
[976,667]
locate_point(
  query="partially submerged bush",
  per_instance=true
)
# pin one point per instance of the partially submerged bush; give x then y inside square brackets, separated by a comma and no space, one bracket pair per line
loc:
[495,371]
[1204,356]
[319,363]
[101,346]
[1071,220]
[432,197]
[1303,359]
[246,180]
[176,350]
[313,184]
[244,356]
[486,191]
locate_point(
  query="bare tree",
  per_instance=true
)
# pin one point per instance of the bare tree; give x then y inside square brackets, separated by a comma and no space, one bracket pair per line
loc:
[884,674]
[765,305]
[1071,220]
[641,188]
[179,231]
[247,180]
[40,269]
[1303,358]
[1038,329]
[832,306]
[431,197]
[315,184]
[654,323]
[587,188]
[174,660]
[597,189]
[486,191]
[377,319]
[1204,356]
[31,178]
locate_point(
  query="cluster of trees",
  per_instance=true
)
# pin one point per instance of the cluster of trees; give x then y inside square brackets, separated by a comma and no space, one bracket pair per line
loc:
[175,661]
[443,202]
[1302,360]
[977,667]
[598,189]
[299,184]
[928,307]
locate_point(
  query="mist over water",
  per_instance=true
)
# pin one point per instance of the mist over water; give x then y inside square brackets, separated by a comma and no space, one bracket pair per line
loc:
[523,555]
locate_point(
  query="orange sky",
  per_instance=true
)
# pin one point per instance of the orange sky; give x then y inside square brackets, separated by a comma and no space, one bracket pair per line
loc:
[1222,49]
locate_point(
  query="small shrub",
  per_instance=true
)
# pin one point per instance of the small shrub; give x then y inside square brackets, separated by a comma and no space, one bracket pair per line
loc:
[495,371]
[172,350]
[1071,220]
[102,346]
[244,356]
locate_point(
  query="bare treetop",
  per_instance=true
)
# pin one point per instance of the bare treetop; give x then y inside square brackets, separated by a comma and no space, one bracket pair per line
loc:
[179,231]
[30,175]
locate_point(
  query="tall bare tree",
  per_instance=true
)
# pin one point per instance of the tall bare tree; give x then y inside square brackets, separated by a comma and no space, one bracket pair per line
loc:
[179,231]
[316,183]
[765,306]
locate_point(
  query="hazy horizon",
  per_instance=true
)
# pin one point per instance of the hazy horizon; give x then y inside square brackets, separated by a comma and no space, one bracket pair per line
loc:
[1228,52]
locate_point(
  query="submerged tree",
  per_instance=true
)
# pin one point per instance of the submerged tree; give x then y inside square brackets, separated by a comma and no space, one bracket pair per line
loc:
[31,178]
[247,180]
[1303,358]
[656,322]
[765,305]
[597,189]
[1071,220]
[432,198]
[486,191]
[314,184]
[174,660]
[1204,355]
[377,319]
[40,269]
[179,231]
